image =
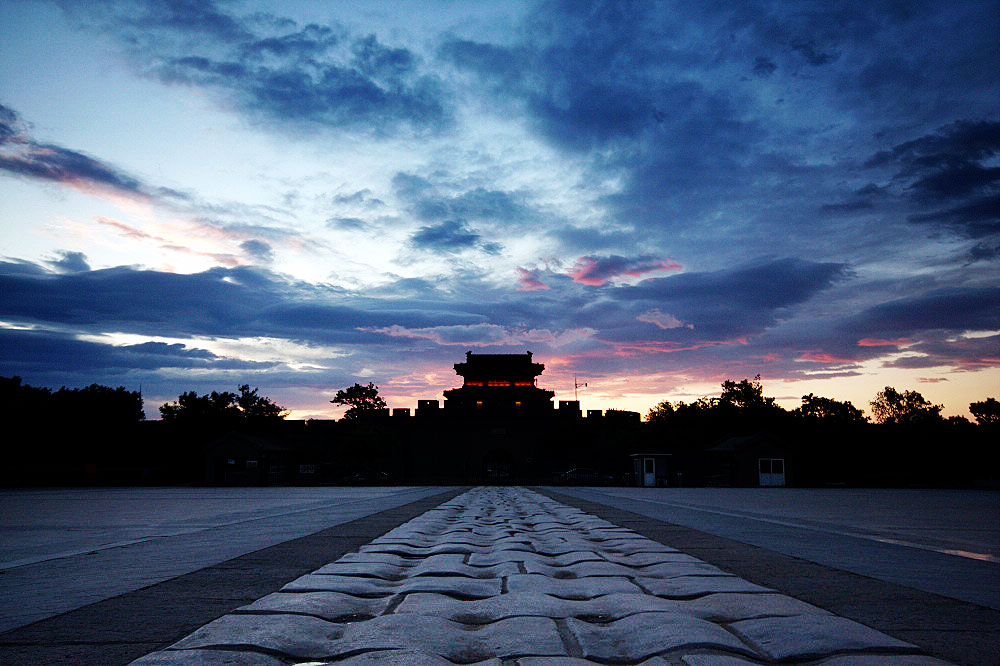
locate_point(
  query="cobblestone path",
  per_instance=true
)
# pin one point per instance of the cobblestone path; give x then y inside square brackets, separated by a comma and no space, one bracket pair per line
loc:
[509,576]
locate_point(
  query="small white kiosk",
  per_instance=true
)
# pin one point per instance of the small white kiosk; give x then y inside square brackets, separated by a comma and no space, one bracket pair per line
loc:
[649,470]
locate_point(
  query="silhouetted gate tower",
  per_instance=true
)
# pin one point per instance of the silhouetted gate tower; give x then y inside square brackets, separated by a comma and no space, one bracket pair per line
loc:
[498,383]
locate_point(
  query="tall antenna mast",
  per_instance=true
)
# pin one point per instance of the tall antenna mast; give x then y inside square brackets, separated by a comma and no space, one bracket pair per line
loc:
[577,386]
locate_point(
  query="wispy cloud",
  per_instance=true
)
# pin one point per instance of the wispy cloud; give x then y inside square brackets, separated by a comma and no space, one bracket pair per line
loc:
[275,70]
[22,155]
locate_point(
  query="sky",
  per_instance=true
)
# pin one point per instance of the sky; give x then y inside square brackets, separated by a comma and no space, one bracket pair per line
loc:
[652,197]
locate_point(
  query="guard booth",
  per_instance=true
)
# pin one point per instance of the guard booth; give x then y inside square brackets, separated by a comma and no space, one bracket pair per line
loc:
[771,472]
[650,470]
[759,460]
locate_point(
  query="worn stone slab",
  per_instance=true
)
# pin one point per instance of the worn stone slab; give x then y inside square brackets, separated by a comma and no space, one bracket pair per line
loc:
[304,637]
[407,550]
[454,565]
[407,657]
[454,641]
[503,556]
[717,660]
[384,558]
[464,540]
[644,559]
[331,606]
[732,607]
[646,634]
[577,661]
[434,565]
[585,569]
[814,636]
[473,588]
[382,570]
[572,588]
[532,604]
[298,636]
[207,658]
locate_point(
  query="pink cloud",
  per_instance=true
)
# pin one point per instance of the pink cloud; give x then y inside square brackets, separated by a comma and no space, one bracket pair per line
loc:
[879,342]
[127,229]
[528,280]
[224,258]
[595,271]
[645,347]
[823,357]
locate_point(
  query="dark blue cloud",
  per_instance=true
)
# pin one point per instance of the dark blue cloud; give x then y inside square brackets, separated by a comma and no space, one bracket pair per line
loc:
[950,177]
[974,353]
[194,17]
[692,139]
[8,121]
[726,304]
[707,321]
[763,66]
[258,250]
[949,309]
[450,236]
[451,211]
[475,205]
[977,218]
[947,163]
[219,302]
[50,162]
[311,41]
[70,262]
[355,223]
[21,155]
[597,270]
[380,62]
[363,198]
[46,353]
[275,70]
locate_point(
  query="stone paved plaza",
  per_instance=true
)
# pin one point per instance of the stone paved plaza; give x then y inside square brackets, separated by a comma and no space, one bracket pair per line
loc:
[511,576]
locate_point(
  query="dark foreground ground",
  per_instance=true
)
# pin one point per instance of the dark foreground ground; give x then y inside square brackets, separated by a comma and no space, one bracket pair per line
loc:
[154,614]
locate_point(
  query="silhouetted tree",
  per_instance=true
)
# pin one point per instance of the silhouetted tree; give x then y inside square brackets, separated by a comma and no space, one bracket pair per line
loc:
[361,400]
[71,431]
[662,411]
[908,407]
[680,411]
[92,404]
[831,411]
[744,394]
[258,408]
[225,409]
[987,412]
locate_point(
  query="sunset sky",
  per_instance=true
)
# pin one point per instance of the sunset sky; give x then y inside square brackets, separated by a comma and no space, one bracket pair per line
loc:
[653,197]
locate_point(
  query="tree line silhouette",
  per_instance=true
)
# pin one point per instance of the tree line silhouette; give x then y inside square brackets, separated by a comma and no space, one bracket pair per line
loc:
[98,434]
[832,442]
